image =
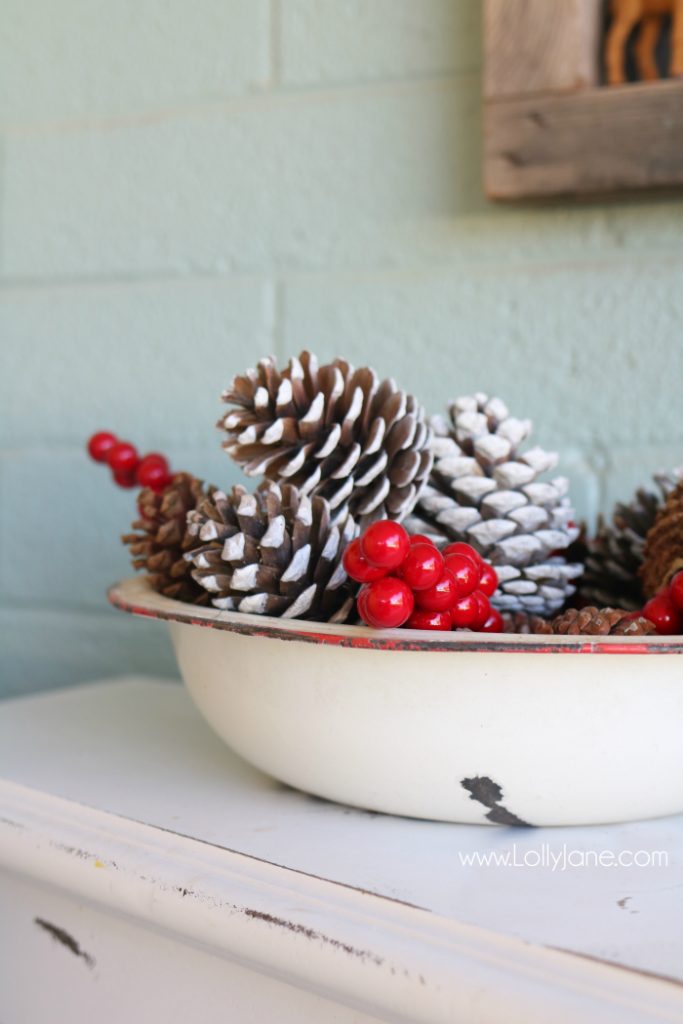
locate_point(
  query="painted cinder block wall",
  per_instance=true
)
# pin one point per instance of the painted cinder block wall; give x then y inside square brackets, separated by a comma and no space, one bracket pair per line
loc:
[184,187]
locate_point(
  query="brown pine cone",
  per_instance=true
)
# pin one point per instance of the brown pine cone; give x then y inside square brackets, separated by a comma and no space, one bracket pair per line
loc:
[273,552]
[599,622]
[162,539]
[524,622]
[331,431]
[615,555]
[663,553]
[581,622]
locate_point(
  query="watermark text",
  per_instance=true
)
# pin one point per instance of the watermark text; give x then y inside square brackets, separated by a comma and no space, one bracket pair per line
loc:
[563,858]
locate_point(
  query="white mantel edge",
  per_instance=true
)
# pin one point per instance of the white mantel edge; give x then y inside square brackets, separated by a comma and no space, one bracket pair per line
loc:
[375,954]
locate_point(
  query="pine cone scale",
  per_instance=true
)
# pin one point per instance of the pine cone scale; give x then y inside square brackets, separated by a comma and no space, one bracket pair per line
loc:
[403,468]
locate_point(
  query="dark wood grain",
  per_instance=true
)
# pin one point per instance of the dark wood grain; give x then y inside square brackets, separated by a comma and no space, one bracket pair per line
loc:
[595,142]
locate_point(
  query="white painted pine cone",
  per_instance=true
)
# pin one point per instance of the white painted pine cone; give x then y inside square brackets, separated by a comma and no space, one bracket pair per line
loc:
[485,491]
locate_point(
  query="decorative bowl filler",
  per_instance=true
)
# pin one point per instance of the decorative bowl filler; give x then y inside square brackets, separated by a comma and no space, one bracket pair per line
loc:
[404,612]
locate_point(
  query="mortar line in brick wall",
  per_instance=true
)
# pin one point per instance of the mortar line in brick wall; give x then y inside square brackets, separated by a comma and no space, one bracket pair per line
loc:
[2,205]
[278,321]
[485,265]
[342,85]
[382,270]
[142,279]
[257,101]
[67,444]
[275,38]
[28,607]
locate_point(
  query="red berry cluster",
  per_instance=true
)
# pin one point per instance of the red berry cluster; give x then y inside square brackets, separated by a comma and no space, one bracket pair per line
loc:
[665,609]
[128,468]
[408,582]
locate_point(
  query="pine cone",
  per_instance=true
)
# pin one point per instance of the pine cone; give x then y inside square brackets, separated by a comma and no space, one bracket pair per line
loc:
[523,622]
[331,431]
[273,552]
[162,540]
[483,491]
[598,622]
[615,555]
[663,552]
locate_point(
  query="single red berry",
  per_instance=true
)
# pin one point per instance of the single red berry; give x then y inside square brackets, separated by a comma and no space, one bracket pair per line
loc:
[420,538]
[422,567]
[385,544]
[154,475]
[488,580]
[123,456]
[100,445]
[465,571]
[154,457]
[460,548]
[145,465]
[389,603]
[441,596]
[676,591]
[483,612]
[358,567]
[494,623]
[464,612]
[429,620]
[663,614]
[148,467]
[125,477]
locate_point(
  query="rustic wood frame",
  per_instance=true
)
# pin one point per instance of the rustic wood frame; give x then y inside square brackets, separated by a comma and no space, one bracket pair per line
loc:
[551,130]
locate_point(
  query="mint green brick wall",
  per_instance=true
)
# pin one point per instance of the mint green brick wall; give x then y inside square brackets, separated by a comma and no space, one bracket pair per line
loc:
[186,187]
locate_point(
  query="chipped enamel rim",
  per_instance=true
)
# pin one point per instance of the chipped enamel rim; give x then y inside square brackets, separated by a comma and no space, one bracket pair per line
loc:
[137,597]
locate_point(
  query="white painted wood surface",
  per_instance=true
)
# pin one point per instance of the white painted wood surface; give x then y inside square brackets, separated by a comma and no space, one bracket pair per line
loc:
[191,880]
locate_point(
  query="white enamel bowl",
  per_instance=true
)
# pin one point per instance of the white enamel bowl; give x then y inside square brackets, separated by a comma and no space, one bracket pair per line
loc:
[460,727]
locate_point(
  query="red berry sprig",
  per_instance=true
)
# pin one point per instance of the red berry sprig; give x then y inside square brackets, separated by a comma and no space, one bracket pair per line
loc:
[665,609]
[408,582]
[127,467]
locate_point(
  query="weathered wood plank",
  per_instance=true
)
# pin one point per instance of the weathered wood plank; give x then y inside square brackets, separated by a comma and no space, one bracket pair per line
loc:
[595,142]
[536,46]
